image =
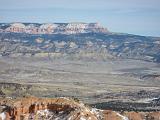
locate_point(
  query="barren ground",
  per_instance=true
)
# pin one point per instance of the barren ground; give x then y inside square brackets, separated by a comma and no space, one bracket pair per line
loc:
[90,81]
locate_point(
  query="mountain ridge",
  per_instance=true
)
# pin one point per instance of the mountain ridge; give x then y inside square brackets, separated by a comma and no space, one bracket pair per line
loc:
[76,41]
[52,28]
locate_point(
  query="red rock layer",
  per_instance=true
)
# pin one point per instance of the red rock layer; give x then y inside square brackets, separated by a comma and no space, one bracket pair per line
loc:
[64,108]
[21,108]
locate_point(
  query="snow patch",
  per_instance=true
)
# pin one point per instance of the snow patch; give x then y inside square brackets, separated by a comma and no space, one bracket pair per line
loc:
[3,116]
[97,112]
[147,100]
[123,117]
[43,112]
[82,118]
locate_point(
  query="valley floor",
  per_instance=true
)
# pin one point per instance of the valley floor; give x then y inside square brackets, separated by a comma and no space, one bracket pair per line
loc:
[112,84]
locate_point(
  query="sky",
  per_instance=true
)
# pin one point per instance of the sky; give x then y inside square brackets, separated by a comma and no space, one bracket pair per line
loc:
[141,17]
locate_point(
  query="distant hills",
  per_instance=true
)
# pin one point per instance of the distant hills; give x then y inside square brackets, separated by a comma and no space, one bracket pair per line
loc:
[52,28]
[75,41]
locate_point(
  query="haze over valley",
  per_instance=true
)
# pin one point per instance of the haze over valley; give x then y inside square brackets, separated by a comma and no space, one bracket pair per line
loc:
[79,60]
[69,62]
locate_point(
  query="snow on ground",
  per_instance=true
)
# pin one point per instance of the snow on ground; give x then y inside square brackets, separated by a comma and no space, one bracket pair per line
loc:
[147,100]
[3,116]
[123,117]
[82,118]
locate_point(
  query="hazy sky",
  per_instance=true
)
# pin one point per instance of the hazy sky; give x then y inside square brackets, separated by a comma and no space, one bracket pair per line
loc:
[127,16]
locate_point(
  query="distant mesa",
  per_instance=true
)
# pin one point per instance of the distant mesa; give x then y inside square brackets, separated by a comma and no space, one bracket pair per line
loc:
[53,28]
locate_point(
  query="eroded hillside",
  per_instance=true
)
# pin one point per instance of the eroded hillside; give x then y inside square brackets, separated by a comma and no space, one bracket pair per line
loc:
[63,109]
[88,46]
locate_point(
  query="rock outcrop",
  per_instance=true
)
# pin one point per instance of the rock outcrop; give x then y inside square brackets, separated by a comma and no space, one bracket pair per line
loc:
[63,109]
[83,40]
[42,108]
[112,115]
[53,28]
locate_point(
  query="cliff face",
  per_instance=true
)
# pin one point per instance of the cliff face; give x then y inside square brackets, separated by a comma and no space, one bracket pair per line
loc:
[36,108]
[63,109]
[53,28]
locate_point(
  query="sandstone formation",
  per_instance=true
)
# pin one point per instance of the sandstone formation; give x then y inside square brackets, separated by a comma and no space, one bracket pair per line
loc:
[41,108]
[31,108]
[53,28]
